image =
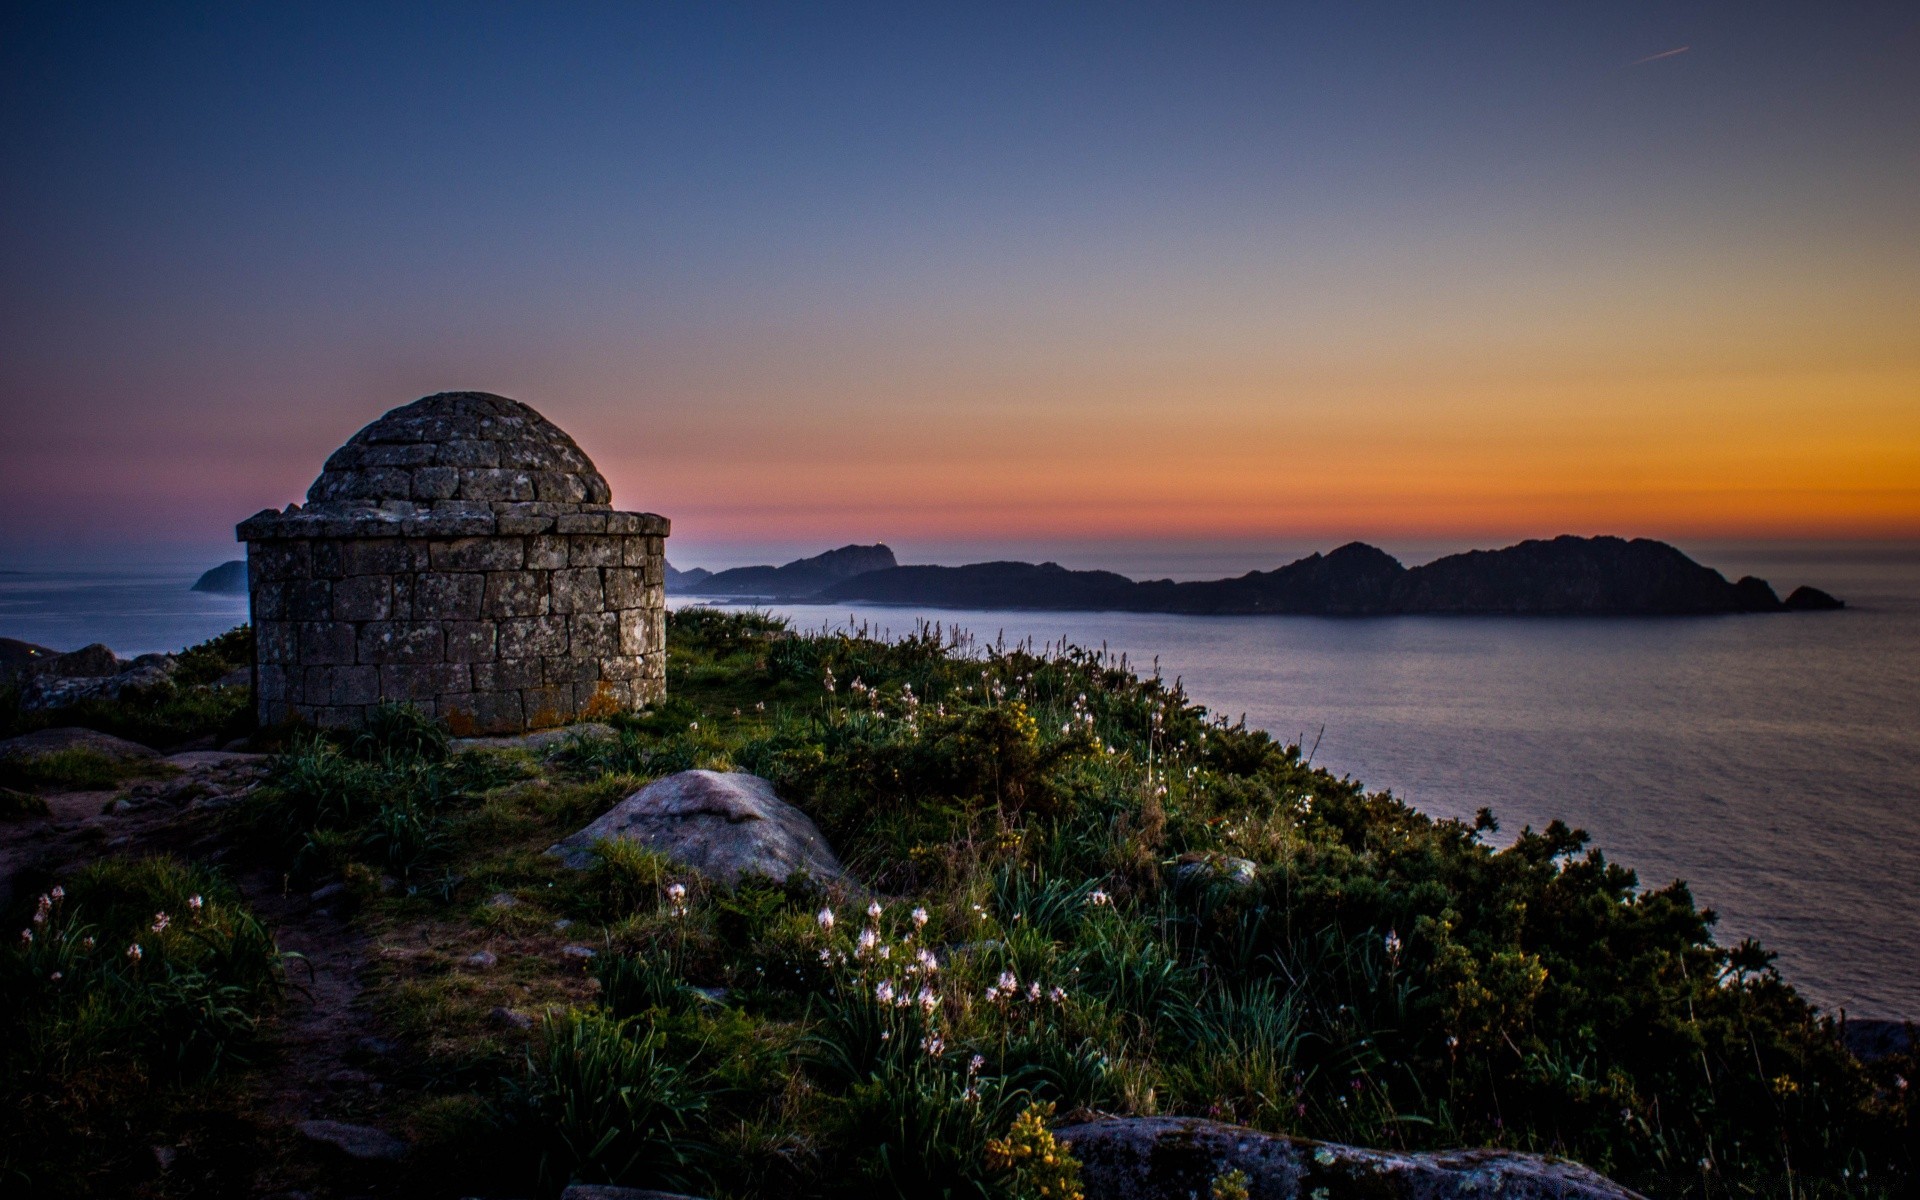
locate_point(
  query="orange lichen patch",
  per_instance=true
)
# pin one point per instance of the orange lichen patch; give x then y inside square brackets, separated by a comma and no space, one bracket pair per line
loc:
[602,704]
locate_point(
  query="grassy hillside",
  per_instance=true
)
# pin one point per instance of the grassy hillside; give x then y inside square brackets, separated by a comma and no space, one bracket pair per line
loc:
[1085,893]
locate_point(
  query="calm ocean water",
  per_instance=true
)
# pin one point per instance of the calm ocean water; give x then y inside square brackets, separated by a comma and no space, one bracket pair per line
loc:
[1773,762]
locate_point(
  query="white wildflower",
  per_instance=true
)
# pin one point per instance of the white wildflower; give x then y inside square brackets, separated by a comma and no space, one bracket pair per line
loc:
[933,1044]
[874,910]
[883,991]
[919,918]
[928,1000]
[133,952]
[825,917]
[161,921]
[1098,897]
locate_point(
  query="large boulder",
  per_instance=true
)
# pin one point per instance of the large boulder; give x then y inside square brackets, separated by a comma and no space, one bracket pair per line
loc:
[1174,1158]
[722,824]
[52,741]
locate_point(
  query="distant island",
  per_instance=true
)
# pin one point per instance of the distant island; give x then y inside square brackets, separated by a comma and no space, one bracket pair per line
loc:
[1563,576]
[227,579]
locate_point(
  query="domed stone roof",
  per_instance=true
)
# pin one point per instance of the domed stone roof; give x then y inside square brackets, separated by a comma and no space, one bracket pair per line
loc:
[461,450]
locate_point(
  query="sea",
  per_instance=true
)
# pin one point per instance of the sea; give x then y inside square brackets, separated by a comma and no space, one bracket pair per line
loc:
[1772,762]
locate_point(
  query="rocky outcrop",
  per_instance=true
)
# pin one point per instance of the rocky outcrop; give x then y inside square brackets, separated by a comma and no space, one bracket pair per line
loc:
[53,741]
[227,579]
[800,578]
[1562,576]
[18,657]
[89,673]
[1173,1158]
[722,824]
[1811,599]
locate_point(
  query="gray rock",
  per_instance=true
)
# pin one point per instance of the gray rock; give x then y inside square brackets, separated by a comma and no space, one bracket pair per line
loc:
[52,741]
[483,959]
[601,1191]
[361,1142]
[1199,870]
[581,952]
[507,1018]
[503,900]
[1174,1158]
[723,825]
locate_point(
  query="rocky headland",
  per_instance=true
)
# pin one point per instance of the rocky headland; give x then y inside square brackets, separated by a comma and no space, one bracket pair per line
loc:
[1563,576]
[227,579]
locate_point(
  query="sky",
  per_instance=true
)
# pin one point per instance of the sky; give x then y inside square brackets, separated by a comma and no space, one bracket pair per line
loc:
[965,277]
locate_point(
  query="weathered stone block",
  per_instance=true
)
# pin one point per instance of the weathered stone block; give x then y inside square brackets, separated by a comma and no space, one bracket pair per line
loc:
[633,551]
[496,483]
[324,643]
[309,599]
[327,560]
[514,523]
[438,596]
[479,554]
[434,483]
[625,587]
[594,635]
[483,712]
[270,683]
[593,550]
[403,454]
[559,486]
[423,681]
[581,523]
[565,669]
[622,666]
[515,594]
[641,631]
[547,552]
[578,590]
[280,560]
[276,642]
[374,556]
[532,637]
[385,642]
[363,598]
[546,707]
[656,572]
[353,685]
[269,602]
[507,674]
[465,453]
[470,641]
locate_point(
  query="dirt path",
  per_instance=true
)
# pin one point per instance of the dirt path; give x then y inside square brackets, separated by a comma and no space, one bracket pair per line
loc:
[323,1058]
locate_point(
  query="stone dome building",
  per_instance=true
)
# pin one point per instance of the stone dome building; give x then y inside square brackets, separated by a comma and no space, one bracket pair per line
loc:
[460,554]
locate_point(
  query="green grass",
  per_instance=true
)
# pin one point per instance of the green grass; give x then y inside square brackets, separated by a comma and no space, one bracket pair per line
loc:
[76,769]
[127,993]
[1030,824]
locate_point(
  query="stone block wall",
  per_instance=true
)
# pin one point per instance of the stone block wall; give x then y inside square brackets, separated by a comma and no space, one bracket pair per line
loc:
[493,624]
